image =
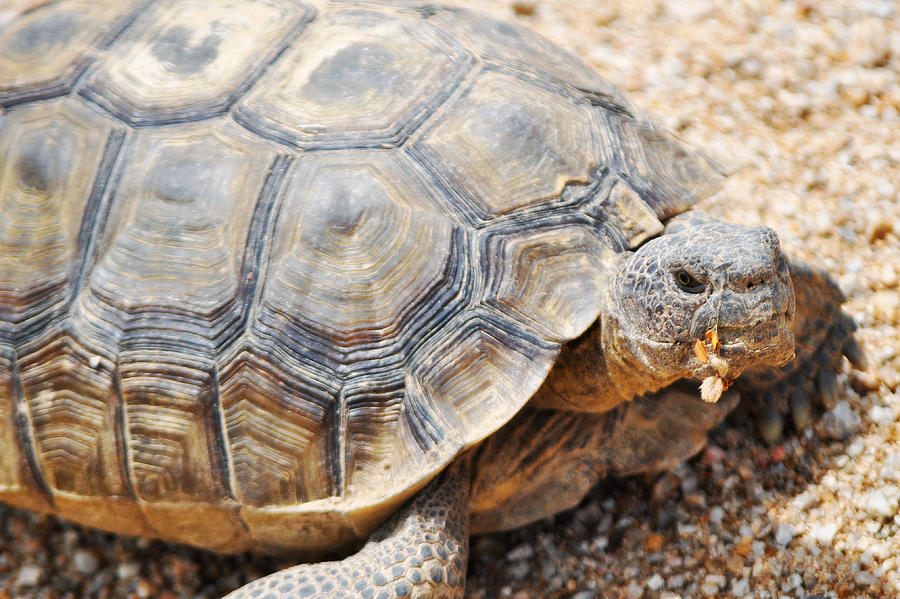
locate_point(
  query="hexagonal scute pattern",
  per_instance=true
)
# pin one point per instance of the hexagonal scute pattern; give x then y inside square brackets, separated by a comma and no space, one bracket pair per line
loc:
[358,79]
[169,260]
[551,278]
[270,265]
[511,45]
[51,154]
[355,250]
[180,60]
[43,53]
[508,144]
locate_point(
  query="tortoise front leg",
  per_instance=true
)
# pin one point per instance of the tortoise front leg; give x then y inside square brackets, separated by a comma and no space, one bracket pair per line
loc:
[545,461]
[823,336]
[420,552]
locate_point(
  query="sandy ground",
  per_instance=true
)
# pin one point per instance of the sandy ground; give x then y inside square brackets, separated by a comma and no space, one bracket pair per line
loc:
[801,100]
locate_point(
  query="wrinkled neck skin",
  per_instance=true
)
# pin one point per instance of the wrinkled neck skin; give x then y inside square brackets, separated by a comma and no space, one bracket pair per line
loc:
[607,366]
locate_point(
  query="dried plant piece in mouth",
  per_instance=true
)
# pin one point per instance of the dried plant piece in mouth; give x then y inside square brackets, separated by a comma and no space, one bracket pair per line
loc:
[712,387]
[700,351]
[712,338]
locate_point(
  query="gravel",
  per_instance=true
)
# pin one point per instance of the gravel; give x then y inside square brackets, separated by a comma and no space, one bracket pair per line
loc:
[841,422]
[801,100]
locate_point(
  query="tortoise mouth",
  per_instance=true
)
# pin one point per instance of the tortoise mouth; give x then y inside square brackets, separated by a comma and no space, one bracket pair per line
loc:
[737,348]
[765,339]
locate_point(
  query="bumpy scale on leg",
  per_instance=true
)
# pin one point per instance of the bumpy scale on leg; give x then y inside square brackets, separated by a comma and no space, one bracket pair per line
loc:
[823,333]
[420,553]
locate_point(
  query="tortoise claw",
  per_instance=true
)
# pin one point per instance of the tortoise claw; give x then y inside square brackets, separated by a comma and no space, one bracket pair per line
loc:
[826,382]
[854,353]
[801,409]
[770,421]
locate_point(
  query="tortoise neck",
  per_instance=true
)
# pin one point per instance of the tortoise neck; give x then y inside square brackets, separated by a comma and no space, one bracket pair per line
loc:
[600,370]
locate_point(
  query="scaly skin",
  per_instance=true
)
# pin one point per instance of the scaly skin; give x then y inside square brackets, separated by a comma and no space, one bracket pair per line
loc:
[420,552]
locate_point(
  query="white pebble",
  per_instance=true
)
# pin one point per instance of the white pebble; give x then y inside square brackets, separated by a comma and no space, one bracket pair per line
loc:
[85,561]
[841,421]
[793,581]
[823,534]
[804,501]
[758,548]
[28,576]
[881,415]
[634,591]
[740,588]
[865,578]
[128,570]
[655,583]
[855,448]
[520,553]
[883,503]
[891,469]
[716,514]
[784,534]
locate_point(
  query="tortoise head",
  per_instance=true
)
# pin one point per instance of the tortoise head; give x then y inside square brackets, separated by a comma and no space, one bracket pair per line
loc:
[707,298]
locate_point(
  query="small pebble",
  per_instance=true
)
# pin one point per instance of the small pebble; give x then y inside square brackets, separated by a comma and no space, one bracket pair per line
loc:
[793,581]
[740,588]
[890,470]
[784,533]
[85,561]
[823,534]
[886,306]
[841,422]
[855,448]
[881,415]
[634,591]
[524,8]
[655,582]
[883,503]
[128,570]
[522,552]
[28,576]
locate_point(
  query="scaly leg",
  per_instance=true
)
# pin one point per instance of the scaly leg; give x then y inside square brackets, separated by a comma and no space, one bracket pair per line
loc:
[545,461]
[420,552]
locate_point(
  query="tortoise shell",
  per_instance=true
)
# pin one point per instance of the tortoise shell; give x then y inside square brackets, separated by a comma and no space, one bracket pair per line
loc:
[267,266]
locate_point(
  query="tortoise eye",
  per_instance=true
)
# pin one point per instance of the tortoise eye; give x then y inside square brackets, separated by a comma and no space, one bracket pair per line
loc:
[687,282]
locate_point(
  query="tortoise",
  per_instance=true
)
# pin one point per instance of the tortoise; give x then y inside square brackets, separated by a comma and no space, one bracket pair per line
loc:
[360,279]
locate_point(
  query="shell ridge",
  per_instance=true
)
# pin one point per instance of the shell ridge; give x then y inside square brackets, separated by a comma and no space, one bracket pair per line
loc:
[152,115]
[63,86]
[253,268]
[25,433]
